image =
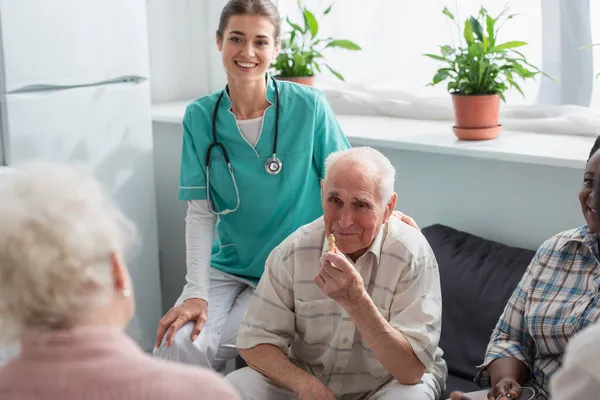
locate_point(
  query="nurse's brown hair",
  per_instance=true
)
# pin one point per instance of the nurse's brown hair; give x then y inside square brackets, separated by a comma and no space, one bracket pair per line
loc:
[263,8]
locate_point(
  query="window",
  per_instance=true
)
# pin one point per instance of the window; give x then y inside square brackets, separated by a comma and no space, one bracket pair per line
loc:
[394,35]
[595,51]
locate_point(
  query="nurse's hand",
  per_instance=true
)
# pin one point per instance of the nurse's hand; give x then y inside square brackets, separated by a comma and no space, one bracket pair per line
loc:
[191,310]
[405,218]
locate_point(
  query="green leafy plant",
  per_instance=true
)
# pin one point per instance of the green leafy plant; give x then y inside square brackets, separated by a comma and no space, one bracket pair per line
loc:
[479,64]
[302,51]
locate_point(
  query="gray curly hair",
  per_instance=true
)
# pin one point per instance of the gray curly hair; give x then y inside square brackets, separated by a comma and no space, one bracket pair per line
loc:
[59,228]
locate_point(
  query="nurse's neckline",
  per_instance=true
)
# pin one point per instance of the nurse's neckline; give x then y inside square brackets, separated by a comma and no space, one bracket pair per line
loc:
[250,110]
[270,98]
[249,120]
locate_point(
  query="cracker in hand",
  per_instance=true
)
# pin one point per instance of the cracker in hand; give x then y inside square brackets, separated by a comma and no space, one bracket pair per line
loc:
[331,241]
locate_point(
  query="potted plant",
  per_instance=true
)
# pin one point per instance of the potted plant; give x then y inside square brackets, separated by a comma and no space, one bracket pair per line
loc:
[478,71]
[301,56]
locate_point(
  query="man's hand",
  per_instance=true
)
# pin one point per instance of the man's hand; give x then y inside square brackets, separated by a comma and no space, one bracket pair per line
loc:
[191,310]
[338,279]
[503,387]
[316,391]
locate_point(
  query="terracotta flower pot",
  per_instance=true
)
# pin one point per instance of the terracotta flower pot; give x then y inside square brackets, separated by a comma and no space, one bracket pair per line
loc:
[476,116]
[304,80]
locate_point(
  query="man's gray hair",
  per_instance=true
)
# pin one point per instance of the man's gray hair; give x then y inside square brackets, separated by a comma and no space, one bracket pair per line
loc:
[58,230]
[377,166]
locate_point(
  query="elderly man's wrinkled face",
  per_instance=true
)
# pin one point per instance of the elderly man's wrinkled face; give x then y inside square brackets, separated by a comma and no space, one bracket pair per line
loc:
[353,211]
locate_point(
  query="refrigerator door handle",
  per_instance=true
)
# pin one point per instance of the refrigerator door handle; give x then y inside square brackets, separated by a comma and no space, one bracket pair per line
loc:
[44,88]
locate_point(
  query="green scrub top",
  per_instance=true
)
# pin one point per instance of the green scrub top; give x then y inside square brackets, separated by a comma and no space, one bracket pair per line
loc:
[271,206]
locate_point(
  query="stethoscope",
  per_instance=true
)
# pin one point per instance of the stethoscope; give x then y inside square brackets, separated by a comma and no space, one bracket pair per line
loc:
[273,165]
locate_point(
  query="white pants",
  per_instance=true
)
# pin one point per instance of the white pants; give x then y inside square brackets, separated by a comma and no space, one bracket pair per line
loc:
[252,385]
[228,301]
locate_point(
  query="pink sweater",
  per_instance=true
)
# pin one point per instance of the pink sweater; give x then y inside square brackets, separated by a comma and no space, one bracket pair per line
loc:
[102,364]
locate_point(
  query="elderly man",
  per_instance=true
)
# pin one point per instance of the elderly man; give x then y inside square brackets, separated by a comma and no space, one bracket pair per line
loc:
[359,322]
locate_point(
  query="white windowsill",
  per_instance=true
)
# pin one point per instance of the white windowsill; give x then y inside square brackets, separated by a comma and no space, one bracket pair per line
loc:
[437,137]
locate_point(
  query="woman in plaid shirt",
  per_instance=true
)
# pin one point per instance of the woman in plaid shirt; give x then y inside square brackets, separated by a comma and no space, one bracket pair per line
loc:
[556,298]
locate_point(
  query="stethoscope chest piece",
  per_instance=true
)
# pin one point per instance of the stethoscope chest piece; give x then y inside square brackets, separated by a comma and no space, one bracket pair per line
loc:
[273,165]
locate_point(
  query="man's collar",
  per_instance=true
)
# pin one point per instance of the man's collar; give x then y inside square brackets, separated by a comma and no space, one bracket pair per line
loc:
[584,236]
[374,248]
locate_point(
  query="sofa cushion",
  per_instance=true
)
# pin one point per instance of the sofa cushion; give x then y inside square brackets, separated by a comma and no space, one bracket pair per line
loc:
[477,276]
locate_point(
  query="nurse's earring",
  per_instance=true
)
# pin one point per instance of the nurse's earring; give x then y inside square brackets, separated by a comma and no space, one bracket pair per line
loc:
[126,293]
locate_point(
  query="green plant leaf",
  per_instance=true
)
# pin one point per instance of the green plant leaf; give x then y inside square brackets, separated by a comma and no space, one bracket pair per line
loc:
[446,50]
[294,26]
[477,29]
[299,59]
[311,23]
[508,45]
[516,86]
[440,76]
[344,44]
[519,54]
[523,72]
[436,57]
[476,50]
[448,13]
[334,72]
[468,32]
[490,31]
[549,77]
[588,45]
[328,10]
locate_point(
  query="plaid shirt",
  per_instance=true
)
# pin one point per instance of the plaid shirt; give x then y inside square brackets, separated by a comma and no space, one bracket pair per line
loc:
[556,298]
[289,310]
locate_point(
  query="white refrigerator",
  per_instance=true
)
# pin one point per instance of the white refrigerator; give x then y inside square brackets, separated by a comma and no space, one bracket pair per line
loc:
[74,88]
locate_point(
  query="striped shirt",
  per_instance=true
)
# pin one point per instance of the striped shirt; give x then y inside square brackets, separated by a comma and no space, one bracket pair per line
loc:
[289,310]
[556,298]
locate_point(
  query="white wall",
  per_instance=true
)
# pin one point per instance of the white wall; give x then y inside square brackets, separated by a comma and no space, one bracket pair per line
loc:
[178,48]
[184,61]
[170,211]
[513,203]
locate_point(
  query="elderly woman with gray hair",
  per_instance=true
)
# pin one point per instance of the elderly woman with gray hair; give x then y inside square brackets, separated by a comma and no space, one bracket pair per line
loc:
[66,297]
